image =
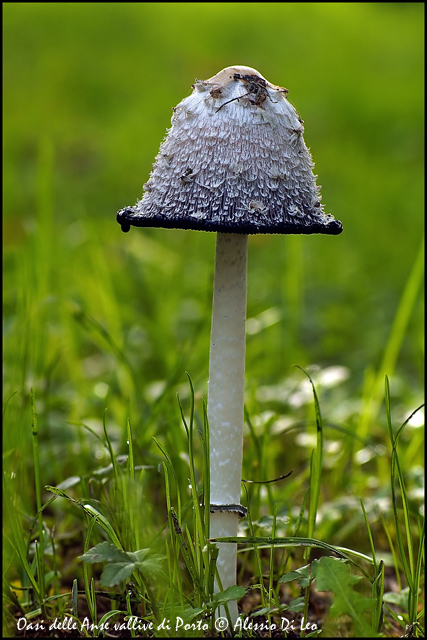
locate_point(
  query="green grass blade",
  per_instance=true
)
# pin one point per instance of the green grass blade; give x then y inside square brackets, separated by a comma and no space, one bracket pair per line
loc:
[406,516]
[206,473]
[194,490]
[271,564]
[38,488]
[178,495]
[371,540]
[130,461]
[408,566]
[255,549]
[372,403]
[378,594]
[315,465]
[266,542]
[393,552]
[110,447]
[418,569]
[188,558]
[74,600]
[175,572]
[103,523]
[94,608]
[20,547]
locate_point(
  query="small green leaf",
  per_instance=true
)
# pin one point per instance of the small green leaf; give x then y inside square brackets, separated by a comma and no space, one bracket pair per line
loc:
[105,552]
[116,572]
[121,564]
[296,605]
[190,614]
[304,575]
[139,556]
[151,565]
[334,575]
[291,576]
[231,593]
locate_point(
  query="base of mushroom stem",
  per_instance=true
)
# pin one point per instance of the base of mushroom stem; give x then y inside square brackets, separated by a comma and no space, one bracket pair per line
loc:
[224,524]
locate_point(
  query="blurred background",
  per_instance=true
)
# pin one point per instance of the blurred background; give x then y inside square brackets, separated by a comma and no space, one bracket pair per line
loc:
[95,318]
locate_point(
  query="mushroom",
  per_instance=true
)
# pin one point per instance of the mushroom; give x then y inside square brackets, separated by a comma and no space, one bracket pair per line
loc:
[234,162]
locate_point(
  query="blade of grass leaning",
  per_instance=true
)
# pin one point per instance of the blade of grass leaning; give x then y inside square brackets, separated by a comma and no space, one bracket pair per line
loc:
[412,582]
[206,473]
[315,467]
[5,404]
[393,552]
[110,614]
[200,540]
[194,493]
[92,431]
[265,542]
[371,402]
[178,495]
[371,540]
[90,511]
[103,523]
[130,460]
[110,448]
[407,568]
[412,569]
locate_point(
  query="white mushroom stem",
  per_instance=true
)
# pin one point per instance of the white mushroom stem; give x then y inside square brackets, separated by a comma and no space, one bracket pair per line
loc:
[226,396]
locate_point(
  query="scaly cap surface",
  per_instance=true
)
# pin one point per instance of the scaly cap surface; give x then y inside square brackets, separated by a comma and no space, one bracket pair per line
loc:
[233,161]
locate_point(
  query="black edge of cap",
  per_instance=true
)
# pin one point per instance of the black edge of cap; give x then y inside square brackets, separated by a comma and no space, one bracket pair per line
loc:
[127,218]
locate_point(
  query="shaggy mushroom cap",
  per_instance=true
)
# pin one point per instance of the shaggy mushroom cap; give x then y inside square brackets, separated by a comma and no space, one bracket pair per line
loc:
[234,161]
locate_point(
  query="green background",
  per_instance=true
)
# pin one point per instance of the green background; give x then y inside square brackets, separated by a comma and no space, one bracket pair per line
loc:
[95,317]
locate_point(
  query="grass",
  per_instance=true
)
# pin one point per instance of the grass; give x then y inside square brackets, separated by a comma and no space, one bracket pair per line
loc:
[176,585]
[100,328]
